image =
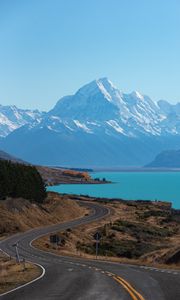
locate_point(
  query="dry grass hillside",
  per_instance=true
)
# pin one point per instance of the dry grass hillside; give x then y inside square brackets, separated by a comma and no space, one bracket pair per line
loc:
[20,215]
[138,232]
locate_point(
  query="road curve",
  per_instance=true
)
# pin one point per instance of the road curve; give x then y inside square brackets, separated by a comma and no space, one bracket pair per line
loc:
[80,279]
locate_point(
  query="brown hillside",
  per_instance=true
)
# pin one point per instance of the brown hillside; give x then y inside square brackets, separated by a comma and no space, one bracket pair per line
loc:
[20,215]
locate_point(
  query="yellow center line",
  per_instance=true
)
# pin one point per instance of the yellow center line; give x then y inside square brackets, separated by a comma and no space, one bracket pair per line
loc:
[125,286]
[133,289]
[129,288]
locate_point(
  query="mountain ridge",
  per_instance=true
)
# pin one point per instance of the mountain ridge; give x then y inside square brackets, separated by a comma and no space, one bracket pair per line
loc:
[12,117]
[98,126]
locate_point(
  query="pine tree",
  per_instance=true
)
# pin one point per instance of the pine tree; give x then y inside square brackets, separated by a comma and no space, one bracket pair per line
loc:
[18,180]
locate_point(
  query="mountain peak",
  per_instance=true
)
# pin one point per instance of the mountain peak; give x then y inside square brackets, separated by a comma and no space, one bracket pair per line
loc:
[97,125]
[101,85]
[105,81]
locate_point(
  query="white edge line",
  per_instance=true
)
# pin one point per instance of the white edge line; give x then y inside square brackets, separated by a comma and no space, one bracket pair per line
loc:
[105,261]
[54,231]
[43,269]
[28,283]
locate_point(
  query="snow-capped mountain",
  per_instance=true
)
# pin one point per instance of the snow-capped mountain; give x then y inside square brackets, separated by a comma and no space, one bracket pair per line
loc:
[99,105]
[98,126]
[12,118]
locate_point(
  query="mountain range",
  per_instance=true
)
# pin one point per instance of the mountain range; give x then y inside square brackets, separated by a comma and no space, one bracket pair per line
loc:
[98,126]
[12,118]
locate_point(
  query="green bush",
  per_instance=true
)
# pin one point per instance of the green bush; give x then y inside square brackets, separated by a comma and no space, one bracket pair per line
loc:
[141,231]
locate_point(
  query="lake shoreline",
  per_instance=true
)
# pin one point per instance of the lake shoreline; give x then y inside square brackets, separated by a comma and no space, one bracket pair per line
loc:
[144,170]
[160,186]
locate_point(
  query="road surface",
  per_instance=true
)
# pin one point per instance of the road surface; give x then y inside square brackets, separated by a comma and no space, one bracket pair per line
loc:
[67,278]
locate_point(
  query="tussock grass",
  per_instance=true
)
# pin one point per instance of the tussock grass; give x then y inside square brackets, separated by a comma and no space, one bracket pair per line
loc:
[13,275]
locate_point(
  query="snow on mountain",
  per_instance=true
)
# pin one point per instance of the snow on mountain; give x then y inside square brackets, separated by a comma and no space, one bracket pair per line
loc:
[100,104]
[99,107]
[12,118]
[97,126]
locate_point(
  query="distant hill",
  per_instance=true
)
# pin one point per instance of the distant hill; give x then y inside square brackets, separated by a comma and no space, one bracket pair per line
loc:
[6,156]
[166,159]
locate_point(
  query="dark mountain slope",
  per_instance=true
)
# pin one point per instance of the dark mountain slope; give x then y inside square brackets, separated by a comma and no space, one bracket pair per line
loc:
[166,159]
[6,156]
[46,147]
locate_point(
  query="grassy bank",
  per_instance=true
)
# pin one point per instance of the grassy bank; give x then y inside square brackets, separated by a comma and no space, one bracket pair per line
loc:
[13,275]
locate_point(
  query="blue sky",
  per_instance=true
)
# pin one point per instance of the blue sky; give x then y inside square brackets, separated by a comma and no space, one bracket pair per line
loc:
[50,48]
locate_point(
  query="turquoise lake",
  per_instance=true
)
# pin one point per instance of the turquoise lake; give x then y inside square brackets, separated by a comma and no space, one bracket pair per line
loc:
[130,185]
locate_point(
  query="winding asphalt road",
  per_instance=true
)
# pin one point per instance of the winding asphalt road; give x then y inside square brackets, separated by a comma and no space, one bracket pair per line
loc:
[67,278]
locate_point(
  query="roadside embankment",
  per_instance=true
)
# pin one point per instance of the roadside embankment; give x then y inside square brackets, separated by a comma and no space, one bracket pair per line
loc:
[14,274]
[17,215]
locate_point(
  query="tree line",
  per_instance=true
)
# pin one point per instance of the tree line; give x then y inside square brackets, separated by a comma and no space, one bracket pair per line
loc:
[18,180]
